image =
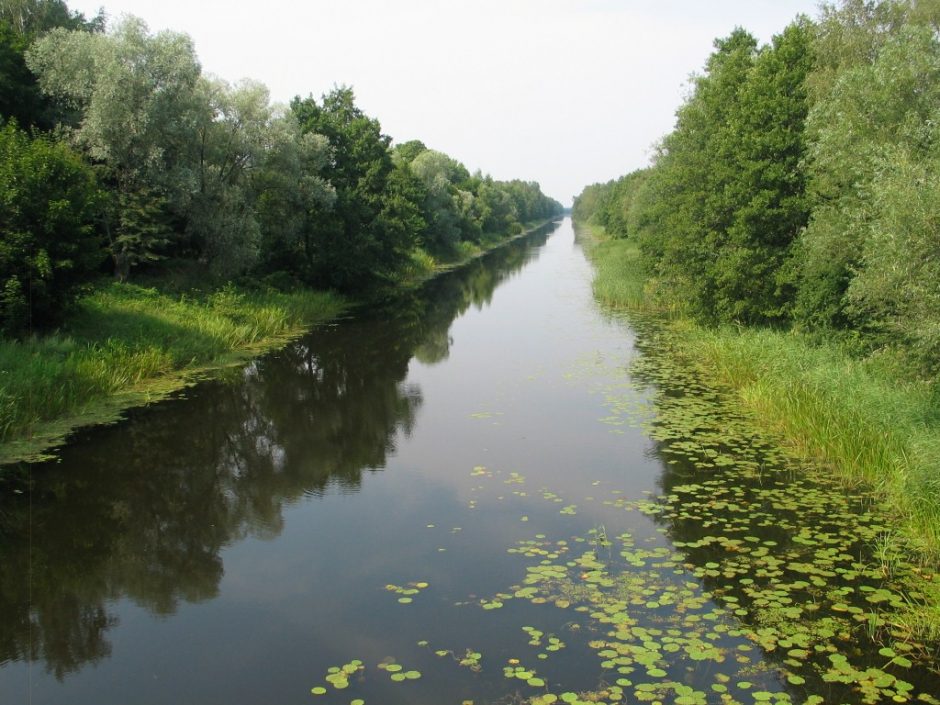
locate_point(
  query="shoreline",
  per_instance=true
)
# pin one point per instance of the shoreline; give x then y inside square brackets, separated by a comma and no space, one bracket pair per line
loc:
[42,437]
[851,418]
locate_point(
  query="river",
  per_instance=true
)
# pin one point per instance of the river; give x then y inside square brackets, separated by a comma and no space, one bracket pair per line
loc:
[455,498]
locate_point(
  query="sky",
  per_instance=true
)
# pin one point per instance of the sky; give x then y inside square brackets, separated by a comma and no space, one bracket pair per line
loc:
[563,92]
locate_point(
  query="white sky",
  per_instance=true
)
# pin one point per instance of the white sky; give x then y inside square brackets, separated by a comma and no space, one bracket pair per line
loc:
[563,92]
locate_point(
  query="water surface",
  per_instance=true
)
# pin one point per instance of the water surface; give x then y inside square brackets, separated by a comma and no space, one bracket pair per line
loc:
[459,484]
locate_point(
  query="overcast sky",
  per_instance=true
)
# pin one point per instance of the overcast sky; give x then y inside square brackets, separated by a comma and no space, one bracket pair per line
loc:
[563,92]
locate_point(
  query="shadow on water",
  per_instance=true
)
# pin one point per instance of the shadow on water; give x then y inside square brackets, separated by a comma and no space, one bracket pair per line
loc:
[143,509]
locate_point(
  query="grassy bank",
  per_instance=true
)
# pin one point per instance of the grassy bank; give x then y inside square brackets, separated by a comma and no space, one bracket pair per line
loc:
[128,344]
[424,265]
[865,419]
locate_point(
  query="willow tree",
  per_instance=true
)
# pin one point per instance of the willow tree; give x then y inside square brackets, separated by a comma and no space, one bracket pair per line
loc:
[137,97]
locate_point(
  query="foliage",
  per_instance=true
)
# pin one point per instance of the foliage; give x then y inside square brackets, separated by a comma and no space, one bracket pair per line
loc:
[21,21]
[257,175]
[796,187]
[462,208]
[349,248]
[49,202]
[873,130]
[138,100]
[727,196]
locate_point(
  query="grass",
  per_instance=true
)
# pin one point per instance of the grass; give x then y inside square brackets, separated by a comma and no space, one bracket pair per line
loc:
[128,343]
[424,265]
[866,419]
[620,280]
[868,424]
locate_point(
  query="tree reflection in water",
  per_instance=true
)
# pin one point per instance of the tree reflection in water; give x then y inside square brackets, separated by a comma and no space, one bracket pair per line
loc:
[142,510]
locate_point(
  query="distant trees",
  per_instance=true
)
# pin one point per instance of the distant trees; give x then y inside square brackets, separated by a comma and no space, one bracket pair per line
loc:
[799,186]
[460,207]
[146,159]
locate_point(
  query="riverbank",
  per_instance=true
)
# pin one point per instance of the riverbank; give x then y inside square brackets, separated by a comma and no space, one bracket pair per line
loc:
[862,418]
[128,345]
[425,266]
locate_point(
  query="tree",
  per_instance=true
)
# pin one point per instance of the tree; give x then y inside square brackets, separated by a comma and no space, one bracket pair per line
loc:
[868,256]
[691,205]
[21,21]
[719,212]
[137,94]
[440,174]
[770,205]
[49,203]
[33,17]
[877,112]
[291,195]
[351,248]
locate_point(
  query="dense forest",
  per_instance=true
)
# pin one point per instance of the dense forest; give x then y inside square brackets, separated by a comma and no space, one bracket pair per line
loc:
[119,157]
[799,188]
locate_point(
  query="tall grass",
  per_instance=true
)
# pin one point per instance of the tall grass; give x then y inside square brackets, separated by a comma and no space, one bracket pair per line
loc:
[124,337]
[620,279]
[859,416]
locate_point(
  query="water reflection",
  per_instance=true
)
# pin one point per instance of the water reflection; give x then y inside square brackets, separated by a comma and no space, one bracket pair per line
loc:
[143,510]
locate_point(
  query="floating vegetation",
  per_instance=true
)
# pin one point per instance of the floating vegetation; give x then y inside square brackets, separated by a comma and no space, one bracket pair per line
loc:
[339,676]
[407,592]
[524,674]
[761,583]
[469,659]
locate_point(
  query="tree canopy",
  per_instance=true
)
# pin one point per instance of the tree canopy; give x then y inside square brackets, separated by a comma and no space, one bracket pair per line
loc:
[150,162]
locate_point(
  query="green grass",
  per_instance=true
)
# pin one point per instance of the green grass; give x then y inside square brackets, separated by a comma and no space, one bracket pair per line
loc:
[424,265]
[620,280]
[866,419]
[866,422]
[128,341]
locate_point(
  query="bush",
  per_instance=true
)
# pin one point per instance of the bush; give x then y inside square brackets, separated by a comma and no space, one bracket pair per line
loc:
[48,244]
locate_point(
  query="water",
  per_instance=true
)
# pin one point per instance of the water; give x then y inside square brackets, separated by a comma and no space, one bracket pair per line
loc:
[233,545]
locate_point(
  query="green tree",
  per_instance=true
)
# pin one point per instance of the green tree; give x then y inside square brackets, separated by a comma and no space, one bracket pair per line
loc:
[867,257]
[442,205]
[21,21]
[770,205]
[140,107]
[351,248]
[877,111]
[291,196]
[49,203]
[691,205]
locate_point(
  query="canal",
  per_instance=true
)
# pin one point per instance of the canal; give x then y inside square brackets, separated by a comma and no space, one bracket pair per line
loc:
[461,496]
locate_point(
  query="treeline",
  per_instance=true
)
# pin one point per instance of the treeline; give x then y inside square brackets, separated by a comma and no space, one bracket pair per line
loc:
[801,184]
[117,154]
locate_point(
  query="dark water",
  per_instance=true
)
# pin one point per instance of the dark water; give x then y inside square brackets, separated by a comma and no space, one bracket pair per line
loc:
[232,546]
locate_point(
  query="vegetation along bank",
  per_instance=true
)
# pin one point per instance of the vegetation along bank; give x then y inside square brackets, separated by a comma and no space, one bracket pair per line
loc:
[787,228]
[160,228]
